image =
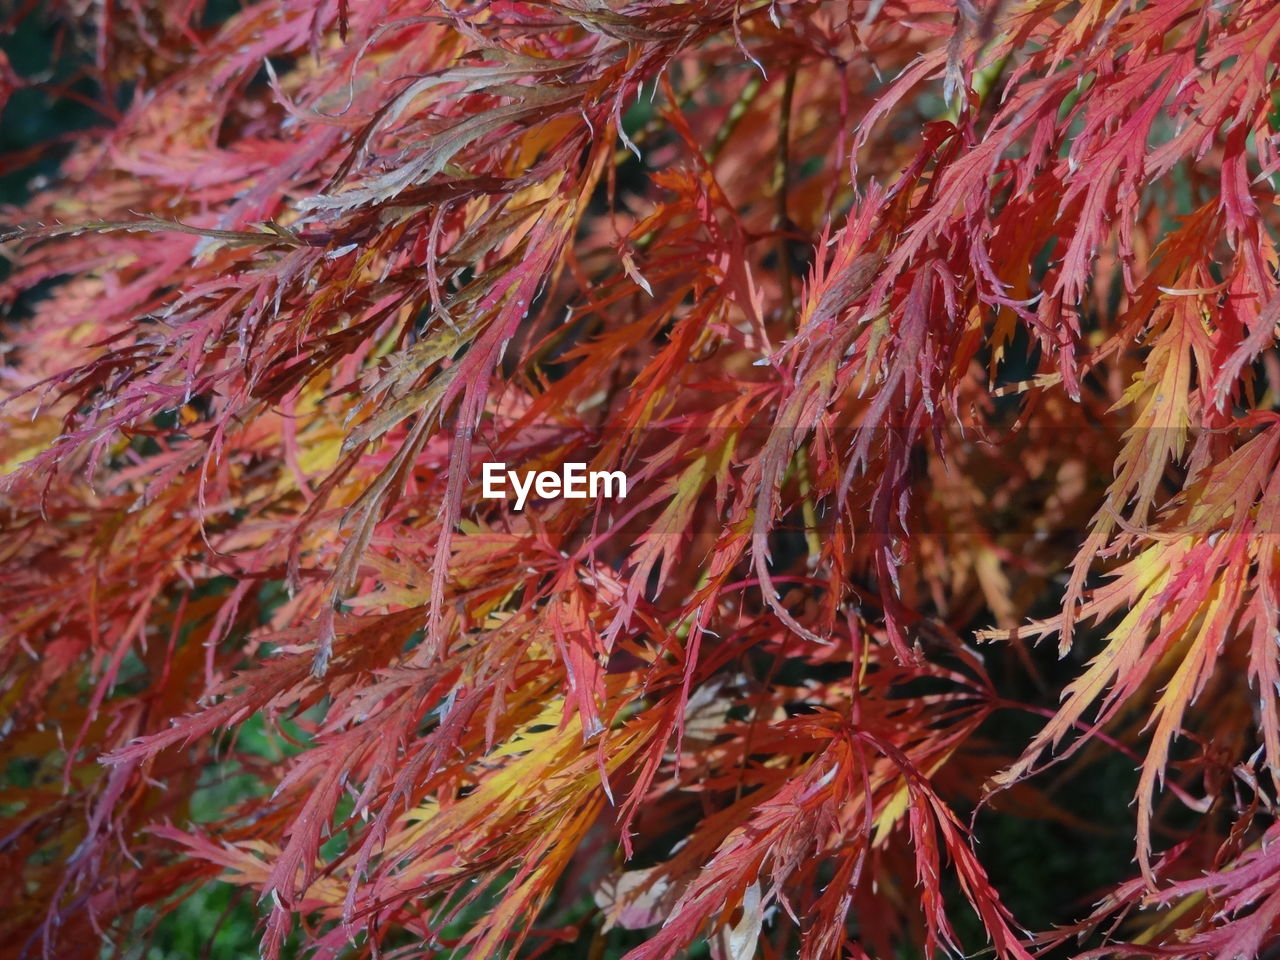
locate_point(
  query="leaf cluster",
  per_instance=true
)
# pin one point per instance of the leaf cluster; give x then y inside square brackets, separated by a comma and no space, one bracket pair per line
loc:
[925,330]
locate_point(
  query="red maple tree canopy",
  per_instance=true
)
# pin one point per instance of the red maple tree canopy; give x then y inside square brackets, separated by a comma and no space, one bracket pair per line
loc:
[935,341]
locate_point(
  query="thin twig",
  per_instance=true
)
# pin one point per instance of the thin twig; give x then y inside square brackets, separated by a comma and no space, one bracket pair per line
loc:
[736,112]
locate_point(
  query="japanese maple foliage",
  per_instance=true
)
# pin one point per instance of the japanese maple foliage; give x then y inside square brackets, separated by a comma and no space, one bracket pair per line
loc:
[937,340]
